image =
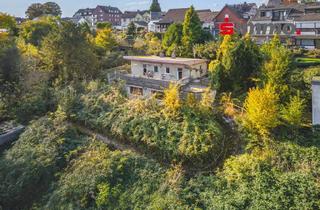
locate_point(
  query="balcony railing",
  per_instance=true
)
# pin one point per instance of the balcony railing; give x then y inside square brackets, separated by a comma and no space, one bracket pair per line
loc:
[146,82]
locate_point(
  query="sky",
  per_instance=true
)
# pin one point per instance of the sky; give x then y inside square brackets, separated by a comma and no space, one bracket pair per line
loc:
[69,7]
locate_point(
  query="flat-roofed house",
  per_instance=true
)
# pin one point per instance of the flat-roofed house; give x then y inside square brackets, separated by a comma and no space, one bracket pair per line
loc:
[153,74]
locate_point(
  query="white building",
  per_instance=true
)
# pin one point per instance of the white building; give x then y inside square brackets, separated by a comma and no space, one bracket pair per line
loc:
[140,18]
[316,101]
[152,74]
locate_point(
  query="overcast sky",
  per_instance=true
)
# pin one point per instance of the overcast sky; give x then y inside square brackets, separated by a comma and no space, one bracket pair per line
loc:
[18,7]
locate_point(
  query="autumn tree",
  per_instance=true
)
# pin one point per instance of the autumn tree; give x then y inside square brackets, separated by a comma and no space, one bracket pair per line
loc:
[172,99]
[106,39]
[293,111]
[262,109]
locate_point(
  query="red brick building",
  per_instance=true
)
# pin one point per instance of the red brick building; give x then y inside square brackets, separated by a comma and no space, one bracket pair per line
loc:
[238,14]
[107,14]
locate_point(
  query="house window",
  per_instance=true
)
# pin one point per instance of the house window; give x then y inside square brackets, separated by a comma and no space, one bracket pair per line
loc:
[263,14]
[136,91]
[156,69]
[168,70]
[179,73]
[144,69]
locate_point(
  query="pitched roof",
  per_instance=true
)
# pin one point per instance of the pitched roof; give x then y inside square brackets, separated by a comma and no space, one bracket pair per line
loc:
[107,8]
[177,15]
[133,14]
[296,12]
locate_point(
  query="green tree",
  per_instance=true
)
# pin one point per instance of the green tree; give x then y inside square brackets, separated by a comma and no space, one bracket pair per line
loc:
[293,112]
[172,38]
[34,11]
[192,31]
[8,22]
[131,30]
[276,69]
[34,31]
[155,6]
[51,8]
[68,55]
[104,25]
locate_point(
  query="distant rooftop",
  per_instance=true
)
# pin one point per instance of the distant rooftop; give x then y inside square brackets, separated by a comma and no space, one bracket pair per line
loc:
[166,60]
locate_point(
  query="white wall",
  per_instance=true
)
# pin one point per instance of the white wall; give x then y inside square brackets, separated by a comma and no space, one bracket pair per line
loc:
[316,102]
[137,70]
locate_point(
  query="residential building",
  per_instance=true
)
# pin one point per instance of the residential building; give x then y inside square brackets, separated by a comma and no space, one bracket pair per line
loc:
[85,13]
[178,15]
[304,18]
[107,14]
[238,14]
[316,101]
[140,18]
[152,74]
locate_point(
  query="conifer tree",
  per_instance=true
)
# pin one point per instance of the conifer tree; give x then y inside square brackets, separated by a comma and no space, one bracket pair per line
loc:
[192,30]
[155,6]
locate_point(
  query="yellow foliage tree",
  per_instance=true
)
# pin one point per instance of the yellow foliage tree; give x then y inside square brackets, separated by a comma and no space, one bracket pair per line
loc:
[105,39]
[172,99]
[207,100]
[262,109]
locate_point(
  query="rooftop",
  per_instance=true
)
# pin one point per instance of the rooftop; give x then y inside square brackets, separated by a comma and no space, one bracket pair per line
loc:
[166,60]
[177,15]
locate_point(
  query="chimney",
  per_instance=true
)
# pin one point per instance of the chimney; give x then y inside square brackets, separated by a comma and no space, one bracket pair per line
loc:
[316,101]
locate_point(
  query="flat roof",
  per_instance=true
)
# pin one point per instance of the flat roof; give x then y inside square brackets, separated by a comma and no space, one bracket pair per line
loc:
[166,60]
[316,80]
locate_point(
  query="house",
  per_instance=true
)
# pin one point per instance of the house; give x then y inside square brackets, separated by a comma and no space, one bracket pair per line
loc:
[239,15]
[107,14]
[302,19]
[316,101]
[178,15]
[139,18]
[153,74]
[85,13]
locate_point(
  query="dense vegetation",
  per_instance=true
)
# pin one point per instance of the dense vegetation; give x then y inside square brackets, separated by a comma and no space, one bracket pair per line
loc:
[252,147]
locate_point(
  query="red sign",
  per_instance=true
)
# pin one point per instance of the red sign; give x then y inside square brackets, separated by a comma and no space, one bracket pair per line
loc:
[226,28]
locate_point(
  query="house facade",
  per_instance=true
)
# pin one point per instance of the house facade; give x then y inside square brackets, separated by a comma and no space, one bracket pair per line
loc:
[107,14]
[140,18]
[316,101]
[304,17]
[178,15]
[239,15]
[153,74]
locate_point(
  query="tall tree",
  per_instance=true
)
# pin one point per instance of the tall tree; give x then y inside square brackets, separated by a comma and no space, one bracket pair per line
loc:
[155,6]
[172,38]
[68,55]
[51,8]
[192,30]
[131,30]
[34,10]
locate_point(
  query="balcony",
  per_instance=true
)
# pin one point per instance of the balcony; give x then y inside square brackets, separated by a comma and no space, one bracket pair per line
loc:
[155,84]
